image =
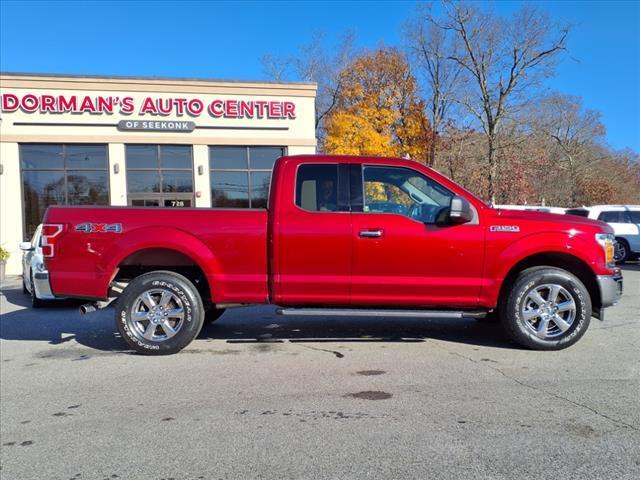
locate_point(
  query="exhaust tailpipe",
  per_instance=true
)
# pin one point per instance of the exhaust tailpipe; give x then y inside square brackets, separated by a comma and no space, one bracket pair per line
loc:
[95,306]
[88,308]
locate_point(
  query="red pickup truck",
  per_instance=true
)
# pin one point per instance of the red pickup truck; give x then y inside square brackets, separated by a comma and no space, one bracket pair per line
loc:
[341,236]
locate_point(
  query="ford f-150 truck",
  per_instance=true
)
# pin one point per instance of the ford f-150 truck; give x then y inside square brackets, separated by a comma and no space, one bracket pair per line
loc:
[341,236]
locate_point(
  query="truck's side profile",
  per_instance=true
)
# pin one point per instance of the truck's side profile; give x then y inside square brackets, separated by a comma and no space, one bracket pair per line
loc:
[348,235]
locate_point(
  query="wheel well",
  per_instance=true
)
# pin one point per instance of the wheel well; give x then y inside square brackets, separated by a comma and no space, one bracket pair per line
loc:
[559,260]
[150,259]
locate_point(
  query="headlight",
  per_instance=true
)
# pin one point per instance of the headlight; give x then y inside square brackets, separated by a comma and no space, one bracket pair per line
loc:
[607,241]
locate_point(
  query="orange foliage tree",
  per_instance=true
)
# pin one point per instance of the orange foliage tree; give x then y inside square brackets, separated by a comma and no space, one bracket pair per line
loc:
[379,111]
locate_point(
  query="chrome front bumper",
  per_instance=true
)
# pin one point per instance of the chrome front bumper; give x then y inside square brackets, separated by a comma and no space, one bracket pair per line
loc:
[42,286]
[610,289]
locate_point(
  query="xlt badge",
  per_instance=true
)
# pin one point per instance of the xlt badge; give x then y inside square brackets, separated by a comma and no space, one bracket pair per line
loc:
[504,228]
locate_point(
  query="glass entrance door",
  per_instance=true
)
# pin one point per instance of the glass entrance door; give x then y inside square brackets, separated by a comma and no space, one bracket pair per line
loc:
[160,176]
[160,200]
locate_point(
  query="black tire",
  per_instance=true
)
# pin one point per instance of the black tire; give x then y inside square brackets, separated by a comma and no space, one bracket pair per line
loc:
[184,297]
[621,251]
[522,332]
[35,301]
[212,314]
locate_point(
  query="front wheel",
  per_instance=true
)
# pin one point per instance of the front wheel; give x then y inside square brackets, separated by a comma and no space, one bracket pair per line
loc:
[159,313]
[546,309]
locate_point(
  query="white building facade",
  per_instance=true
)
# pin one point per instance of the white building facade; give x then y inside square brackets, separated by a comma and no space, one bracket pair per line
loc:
[165,143]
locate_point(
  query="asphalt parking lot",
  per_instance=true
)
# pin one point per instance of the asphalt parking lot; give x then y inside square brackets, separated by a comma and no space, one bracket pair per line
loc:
[262,396]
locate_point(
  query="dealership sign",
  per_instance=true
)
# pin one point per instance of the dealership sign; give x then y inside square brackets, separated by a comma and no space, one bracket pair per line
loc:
[154,106]
[156,125]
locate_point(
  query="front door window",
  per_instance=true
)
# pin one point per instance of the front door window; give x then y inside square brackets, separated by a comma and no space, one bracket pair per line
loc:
[405,192]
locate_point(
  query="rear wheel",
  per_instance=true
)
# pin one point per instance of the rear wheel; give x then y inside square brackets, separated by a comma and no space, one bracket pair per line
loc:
[621,250]
[159,313]
[546,309]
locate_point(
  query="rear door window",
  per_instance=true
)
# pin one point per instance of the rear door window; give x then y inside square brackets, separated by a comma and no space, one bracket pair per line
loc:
[317,187]
[613,217]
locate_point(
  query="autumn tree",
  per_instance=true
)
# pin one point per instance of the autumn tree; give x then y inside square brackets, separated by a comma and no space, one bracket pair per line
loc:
[612,178]
[504,59]
[379,111]
[314,63]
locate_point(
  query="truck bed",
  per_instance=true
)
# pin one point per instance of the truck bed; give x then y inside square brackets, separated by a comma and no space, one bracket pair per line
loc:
[97,240]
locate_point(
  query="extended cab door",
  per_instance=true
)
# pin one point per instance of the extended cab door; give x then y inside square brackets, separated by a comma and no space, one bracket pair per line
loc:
[402,255]
[312,241]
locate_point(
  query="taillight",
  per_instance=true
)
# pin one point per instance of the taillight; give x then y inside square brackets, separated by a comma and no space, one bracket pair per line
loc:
[48,239]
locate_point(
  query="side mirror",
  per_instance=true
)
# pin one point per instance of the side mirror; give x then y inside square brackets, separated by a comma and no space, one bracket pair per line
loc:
[26,246]
[460,211]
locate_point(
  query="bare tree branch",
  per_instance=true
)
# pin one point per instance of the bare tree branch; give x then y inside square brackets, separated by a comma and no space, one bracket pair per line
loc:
[314,63]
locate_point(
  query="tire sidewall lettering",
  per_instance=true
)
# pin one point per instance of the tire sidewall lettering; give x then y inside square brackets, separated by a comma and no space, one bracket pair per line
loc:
[129,333]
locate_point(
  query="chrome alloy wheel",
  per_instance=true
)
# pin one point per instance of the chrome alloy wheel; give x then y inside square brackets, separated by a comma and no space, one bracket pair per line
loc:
[548,310]
[156,315]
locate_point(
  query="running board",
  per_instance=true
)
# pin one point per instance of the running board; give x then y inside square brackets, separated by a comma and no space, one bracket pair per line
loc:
[358,312]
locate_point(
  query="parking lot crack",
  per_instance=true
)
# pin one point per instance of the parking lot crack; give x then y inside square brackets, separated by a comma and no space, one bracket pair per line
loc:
[335,352]
[542,390]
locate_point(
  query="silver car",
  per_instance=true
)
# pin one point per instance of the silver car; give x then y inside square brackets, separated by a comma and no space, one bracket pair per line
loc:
[35,278]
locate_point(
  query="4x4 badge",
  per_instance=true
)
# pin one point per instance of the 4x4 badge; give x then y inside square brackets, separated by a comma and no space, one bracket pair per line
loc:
[99,228]
[504,228]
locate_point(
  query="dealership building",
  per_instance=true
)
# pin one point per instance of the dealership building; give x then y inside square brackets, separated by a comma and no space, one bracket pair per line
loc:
[148,142]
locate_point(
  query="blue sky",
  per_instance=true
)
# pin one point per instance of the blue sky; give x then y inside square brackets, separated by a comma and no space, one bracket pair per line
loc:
[226,40]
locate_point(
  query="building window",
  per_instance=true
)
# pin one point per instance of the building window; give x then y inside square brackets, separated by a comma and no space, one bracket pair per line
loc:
[160,175]
[61,174]
[240,176]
